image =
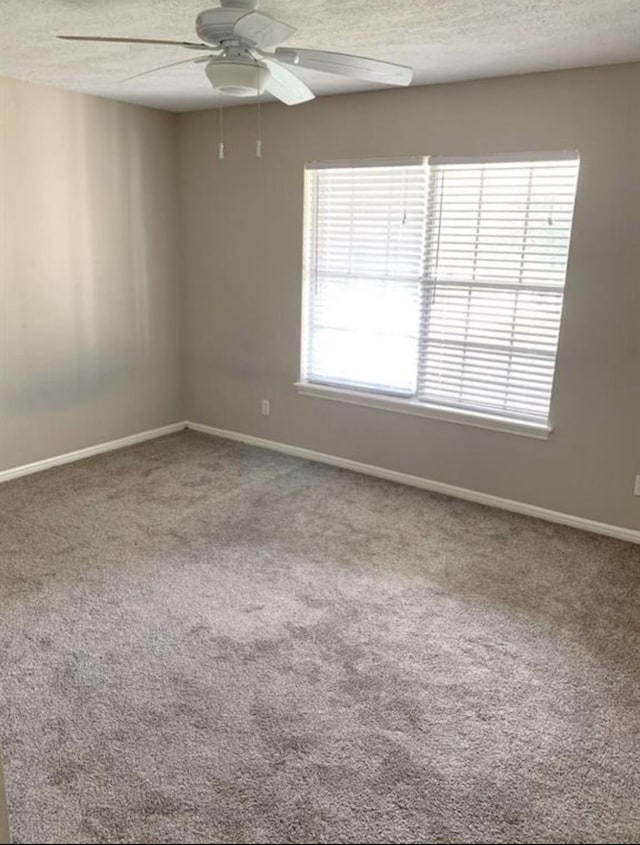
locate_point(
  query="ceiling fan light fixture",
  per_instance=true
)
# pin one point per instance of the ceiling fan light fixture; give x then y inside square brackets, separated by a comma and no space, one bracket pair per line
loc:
[238,78]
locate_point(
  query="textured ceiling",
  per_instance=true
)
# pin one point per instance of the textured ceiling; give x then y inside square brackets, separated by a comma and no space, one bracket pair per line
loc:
[444,40]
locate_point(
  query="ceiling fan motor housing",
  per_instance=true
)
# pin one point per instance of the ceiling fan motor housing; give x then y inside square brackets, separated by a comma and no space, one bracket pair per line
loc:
[214,26]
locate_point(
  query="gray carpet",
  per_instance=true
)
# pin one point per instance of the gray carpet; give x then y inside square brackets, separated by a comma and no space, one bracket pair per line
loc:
[205,642]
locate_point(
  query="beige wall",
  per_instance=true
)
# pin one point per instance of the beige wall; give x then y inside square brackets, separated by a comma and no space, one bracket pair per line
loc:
[89,284]
[242,236]
[91,292]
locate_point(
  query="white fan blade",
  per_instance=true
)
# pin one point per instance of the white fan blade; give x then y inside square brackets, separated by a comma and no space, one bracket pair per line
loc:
[172,64]
[261,30]
[342,64]
[188,44]
[286,86]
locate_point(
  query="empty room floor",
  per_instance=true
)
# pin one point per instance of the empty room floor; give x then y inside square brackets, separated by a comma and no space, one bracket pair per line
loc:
[207,642]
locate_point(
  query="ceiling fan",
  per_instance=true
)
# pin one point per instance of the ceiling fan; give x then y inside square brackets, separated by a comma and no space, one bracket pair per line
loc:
[242,57]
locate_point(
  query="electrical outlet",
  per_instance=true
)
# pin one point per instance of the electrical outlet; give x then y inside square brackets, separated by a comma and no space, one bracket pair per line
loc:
[636,489]
[265,407]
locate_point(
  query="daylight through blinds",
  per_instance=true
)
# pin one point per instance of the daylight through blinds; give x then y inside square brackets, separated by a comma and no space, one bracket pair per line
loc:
[441,283]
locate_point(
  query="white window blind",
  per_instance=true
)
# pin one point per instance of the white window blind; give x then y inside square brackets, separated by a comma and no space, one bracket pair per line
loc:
[498,241]
[440,283]
[365,256]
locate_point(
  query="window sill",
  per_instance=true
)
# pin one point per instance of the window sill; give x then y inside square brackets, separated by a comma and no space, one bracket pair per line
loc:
[408,406]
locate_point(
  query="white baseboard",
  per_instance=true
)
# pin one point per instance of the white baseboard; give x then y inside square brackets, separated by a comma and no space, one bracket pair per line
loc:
[620,533]
[90,451]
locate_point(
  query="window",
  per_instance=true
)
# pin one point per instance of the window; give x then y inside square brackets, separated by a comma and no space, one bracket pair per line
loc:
[438,283]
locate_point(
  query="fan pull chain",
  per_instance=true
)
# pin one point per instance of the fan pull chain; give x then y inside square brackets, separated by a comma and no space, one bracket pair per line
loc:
[259,138]
[221,135]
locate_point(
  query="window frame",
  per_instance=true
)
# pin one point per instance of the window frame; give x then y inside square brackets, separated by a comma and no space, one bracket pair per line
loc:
[413,406]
